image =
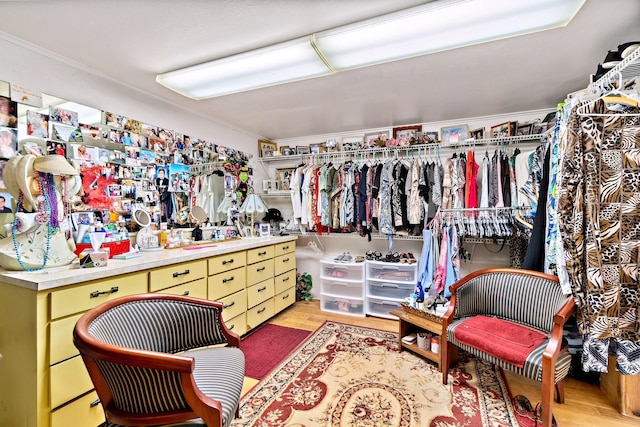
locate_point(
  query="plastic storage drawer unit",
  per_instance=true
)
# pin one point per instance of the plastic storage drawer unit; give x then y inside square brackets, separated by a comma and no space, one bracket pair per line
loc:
[391,272]
[382,307]
[390,289]
[353,307]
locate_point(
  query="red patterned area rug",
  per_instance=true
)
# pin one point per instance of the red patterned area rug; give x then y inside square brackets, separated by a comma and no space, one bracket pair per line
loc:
[345,375]
[266,347]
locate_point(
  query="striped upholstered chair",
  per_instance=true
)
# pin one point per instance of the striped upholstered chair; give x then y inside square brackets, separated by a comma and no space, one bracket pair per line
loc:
[159,360]
[514,319]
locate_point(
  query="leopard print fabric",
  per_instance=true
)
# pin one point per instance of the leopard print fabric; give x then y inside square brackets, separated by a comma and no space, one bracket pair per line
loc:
[599,216]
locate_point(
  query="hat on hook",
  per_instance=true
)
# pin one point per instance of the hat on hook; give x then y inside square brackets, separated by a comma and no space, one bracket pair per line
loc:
[273,215]
[54,164]
[628,48]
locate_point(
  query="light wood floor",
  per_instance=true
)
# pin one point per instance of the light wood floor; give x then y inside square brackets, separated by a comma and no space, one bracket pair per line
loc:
[585,404]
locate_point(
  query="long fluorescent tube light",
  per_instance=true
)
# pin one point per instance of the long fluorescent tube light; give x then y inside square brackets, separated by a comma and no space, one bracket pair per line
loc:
[432,27]
[282,63]
[438,26]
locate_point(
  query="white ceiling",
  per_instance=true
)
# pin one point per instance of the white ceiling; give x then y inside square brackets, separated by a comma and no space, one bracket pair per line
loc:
[132,41]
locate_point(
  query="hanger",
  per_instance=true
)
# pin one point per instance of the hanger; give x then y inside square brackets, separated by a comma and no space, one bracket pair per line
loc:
[612,97]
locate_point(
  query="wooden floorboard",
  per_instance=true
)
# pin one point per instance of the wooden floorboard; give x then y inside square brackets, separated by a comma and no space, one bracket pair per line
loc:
[585,404]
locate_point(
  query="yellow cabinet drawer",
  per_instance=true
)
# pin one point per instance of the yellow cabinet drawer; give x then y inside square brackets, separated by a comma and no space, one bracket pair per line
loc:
[259,271]
[220,263]
[84,297]
[259,254]
[260,292]
[68,380]
[196,289]
[259,314]
[177,274]
[223,284]
[284,299]
[284,248]
[234,304]
[285,281]
[284,263]
[84,412]
[61,339]
[238,324]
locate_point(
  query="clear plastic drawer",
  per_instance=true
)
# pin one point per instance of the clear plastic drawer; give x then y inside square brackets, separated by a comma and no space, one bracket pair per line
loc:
[342,271]
[350,289]
[392,272]
[348,306]
[382,307]
[389,289]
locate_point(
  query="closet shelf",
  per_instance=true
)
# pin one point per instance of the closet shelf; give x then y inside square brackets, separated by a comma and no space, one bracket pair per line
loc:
[628,68]
[376,236]
[408,149]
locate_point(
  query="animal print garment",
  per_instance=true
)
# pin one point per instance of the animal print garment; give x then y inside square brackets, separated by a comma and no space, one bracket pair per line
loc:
[599,219]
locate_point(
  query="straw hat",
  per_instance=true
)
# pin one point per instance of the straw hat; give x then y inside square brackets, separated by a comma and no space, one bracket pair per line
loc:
[24,176]
[54,164]
[9,177]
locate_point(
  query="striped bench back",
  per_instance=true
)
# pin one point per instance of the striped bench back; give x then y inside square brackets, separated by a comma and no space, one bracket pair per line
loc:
[166,326]
[524,299]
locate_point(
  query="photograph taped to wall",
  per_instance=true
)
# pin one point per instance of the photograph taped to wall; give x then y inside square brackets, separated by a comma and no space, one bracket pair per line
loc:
[6,205]
[35,147]
[37,124]
[8,112]
[66,117]
[60,132]
[8,142]
[59,148]
[113,120]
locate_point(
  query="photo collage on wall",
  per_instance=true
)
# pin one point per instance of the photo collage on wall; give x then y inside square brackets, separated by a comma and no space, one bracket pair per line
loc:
[124,163]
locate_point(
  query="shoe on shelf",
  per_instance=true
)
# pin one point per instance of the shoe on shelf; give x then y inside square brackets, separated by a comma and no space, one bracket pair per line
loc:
[601,71]
[340,258]
[628,48]
[611,60]
[347,257]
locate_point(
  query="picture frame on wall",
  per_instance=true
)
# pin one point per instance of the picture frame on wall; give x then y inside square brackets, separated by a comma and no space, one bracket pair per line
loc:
[430,137]
[501,130]
[285,150]
[283,178]
[477,134]
[317,148]
[303,149]
[350,143]
[266,148]
[453,134]
[524,129]
[406,132]
[376,139]
[265,230]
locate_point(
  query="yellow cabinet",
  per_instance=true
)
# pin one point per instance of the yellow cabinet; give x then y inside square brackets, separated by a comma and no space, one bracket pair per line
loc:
[84,412]
[284,263]
[223,284]
[259,254]
[260,292]
[259,271]
[260,313]
[284,248]
[234,304]
[196,289]
[176,274]
[285,281]
[68,380]
[284,299]
[220,263]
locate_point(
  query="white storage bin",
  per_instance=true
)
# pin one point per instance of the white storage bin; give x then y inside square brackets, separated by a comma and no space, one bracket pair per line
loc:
[341,271]
[382,307]
[342,288]
[348,306]
[392,272]
[390,289]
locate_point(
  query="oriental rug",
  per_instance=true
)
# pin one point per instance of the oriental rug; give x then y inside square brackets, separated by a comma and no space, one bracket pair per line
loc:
[266,347]
[345,375]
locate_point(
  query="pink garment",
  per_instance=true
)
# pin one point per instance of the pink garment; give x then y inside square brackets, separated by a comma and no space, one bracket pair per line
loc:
[441,271]
[471,188]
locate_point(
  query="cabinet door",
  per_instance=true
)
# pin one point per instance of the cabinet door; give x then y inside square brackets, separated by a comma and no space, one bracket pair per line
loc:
[259,272]
[84,412]
[285,281]
[259,254]
[260,292]
[284,263]
[221,263]
[196,289]
[226,283]
[81,298]
[177,274]
[284,248]
[284,299]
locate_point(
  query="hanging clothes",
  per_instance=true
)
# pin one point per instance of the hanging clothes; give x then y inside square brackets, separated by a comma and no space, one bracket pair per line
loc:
[599,220]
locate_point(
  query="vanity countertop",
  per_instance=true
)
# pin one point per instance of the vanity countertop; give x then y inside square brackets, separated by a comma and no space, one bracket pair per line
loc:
[72,274]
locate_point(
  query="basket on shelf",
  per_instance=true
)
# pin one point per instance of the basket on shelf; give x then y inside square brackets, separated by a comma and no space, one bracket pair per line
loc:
[415,311]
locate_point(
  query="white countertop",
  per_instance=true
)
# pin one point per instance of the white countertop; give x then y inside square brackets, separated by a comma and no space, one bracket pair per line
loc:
[72,274]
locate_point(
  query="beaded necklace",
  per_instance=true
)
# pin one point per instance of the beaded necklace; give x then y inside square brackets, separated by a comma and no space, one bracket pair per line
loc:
[48,214]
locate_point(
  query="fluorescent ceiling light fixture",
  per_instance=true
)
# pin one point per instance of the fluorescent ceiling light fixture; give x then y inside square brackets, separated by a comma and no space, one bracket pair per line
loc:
[282,63]
[438,26]
[432,27]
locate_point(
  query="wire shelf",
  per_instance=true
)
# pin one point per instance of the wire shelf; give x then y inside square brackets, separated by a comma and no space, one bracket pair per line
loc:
[628,68]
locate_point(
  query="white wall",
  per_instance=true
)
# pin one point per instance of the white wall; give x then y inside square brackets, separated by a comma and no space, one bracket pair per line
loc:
[36,71]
